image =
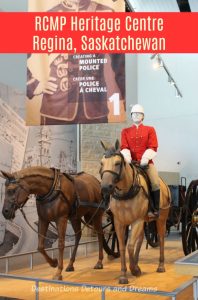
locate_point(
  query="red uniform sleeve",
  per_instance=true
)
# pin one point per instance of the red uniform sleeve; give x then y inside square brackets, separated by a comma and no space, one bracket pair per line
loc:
[152,142]
[124,142]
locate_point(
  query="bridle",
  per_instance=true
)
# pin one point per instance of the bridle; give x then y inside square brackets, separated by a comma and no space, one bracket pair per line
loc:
[16,182]
[135,186]
[117,175]
[55,189]
[49,196]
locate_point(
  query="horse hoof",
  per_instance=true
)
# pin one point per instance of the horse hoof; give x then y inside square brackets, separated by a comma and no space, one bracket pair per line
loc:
[57,277]
[54,263]
[136,272]
[123,280]
[98,266]
[161,270]
[69,269]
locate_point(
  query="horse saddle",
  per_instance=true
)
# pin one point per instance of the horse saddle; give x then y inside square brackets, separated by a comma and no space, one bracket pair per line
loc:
[141,171]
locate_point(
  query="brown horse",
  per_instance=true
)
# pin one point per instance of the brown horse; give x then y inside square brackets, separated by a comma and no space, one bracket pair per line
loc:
[129,205]
[57,195]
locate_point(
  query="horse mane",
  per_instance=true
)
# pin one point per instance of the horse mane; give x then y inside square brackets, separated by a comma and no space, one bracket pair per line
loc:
[80,173]
[68,176]
[33,171]
[110,152]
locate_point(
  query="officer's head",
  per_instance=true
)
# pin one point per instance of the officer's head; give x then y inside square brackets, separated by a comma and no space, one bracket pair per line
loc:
[137,113]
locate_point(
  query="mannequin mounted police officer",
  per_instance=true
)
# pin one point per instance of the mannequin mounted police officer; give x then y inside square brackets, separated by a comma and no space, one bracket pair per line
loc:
[139,143]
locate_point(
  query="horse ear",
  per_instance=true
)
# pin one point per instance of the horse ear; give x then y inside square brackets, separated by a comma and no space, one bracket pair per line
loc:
[117,145]
[5,175]
[104,145]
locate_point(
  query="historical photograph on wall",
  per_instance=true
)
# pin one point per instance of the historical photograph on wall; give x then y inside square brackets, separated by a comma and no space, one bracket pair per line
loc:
[79,88]
[25,147]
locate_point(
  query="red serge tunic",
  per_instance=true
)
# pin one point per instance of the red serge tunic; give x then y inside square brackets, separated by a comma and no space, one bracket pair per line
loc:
[138,140]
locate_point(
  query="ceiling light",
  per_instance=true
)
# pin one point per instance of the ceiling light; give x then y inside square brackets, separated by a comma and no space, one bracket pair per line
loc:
[157,63]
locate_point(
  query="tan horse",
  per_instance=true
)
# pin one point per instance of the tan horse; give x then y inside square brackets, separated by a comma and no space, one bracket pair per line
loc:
[129,205]
[57,194]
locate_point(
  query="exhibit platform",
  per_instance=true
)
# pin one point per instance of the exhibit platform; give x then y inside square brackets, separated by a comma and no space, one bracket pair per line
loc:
[84,273]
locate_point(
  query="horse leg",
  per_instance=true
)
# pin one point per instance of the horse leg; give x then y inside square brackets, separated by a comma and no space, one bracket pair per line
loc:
[97,222]
[161,230]
[76,224]
[120,231]
[42,230]
[135,243]
[61,225]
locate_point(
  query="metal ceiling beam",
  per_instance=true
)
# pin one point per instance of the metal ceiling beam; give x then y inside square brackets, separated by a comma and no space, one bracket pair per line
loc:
[184,5]
[170,78]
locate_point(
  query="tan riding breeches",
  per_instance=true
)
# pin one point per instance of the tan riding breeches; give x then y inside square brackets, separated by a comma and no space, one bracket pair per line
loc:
[154,177]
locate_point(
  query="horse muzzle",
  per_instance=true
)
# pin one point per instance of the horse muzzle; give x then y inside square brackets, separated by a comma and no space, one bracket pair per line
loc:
[8,213]
[107,190]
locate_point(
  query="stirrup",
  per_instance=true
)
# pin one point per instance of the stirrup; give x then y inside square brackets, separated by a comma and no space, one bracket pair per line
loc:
[151,214]
[108,211]
[154,214]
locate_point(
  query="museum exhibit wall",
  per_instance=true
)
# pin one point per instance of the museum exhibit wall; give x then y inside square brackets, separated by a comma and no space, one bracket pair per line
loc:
[91,150]
[175,118]
[22,146]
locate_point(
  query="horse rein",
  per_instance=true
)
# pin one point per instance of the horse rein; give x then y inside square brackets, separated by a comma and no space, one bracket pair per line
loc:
[135,187]
[51,195]
[117,175]
[16,181]
[133,190]
[55,187]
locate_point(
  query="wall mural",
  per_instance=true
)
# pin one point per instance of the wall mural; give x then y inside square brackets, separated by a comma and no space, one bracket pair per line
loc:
[23,147]
[75,88]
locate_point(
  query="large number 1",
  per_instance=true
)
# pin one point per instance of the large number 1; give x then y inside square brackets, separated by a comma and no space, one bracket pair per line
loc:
[115,98]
